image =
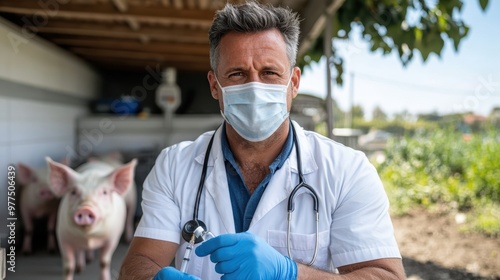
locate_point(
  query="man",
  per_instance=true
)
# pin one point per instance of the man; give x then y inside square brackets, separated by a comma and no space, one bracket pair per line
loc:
[256,159]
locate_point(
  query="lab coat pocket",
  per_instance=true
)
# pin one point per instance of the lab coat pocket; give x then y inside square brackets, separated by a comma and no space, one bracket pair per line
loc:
[302,246]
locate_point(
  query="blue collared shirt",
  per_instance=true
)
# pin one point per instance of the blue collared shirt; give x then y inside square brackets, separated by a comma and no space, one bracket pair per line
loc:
[244,204]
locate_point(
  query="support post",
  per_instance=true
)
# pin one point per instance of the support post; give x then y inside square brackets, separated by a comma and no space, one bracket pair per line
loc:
[328,55]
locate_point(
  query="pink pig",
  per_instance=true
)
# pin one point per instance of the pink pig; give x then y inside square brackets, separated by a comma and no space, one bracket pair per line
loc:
[115,159]
[36,201]
[92,211]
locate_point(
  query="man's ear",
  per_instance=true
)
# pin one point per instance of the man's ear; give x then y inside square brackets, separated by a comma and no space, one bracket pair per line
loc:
[214,87]
[295,81]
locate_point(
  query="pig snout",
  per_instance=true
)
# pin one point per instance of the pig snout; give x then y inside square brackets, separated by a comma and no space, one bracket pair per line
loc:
[85,216]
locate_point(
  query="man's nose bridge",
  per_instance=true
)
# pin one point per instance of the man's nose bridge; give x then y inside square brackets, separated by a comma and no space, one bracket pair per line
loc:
[253,76]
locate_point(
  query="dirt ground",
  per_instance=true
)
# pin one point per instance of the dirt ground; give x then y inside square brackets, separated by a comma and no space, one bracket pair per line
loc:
[433,248]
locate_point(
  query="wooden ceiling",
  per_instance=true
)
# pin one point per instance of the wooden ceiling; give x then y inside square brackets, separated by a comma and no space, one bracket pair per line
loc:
[132,34]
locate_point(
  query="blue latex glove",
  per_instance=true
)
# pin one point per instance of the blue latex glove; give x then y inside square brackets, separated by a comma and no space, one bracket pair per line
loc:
[246,256]
[170,273]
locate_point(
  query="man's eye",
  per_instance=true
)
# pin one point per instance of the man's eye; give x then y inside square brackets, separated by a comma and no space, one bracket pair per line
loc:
[269,73]
[236,74]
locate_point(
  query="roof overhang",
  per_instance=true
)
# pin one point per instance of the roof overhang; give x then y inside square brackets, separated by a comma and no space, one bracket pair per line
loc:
[132,34]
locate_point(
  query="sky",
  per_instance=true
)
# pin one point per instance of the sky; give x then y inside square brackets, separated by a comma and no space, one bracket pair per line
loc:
[467,80]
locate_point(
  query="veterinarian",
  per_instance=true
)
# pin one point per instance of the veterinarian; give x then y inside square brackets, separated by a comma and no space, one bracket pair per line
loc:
[282,202]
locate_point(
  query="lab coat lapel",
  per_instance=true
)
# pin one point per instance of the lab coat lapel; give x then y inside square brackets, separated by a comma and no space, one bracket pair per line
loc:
[217,187]
[276,191]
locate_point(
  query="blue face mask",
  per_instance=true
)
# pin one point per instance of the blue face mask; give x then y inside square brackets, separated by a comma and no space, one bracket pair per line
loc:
[255,110]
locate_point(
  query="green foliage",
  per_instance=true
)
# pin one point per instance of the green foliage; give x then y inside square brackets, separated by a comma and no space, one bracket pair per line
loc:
[396,126]
[484,4]
[404,26]
[358,112]
[485,218]
[484,173]
[442,168]
[488,221]
[379,114]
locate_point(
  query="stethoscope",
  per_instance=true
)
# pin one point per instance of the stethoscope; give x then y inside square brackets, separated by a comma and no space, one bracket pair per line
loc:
[190,226]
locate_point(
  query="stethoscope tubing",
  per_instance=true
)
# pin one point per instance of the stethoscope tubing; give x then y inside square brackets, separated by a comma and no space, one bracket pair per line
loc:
[290,206]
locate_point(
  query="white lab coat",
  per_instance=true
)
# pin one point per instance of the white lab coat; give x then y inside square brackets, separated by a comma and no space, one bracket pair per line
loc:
[354,224]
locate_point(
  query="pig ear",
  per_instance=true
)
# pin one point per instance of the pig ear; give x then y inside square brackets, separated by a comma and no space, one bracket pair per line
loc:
[60,177]
[26,175]
[65,160]
[115,155]
[123,177]
[92,159]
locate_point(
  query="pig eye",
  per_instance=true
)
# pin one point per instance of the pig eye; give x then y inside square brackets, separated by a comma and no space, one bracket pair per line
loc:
[73,192]
[105,192]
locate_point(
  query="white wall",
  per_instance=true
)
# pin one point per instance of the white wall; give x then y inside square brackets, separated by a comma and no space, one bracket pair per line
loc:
[33,61]
[43,89]
[32,130]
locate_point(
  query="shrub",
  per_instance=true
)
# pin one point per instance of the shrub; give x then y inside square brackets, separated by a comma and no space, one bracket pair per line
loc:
[442,167]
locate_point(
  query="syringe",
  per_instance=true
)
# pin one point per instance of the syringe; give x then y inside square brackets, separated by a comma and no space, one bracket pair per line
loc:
[187,254]
[199,232]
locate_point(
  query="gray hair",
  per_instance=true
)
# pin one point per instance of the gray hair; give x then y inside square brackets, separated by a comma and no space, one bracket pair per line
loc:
[253,17]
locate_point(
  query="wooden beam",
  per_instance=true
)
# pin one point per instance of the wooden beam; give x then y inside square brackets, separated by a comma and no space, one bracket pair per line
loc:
[122,27]
[132,45]
[314,15]
[140,65]
[204,4]
[132,55]
[176,35]
[133,24]
[117,30]
[178,4]
[191,4]
[105,11]
[144,39]
[120,5]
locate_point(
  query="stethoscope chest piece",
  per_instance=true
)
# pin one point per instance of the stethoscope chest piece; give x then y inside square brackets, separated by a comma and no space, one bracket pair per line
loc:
[190,227]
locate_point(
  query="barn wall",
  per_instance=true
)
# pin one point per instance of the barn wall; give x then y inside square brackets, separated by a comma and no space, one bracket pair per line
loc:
[43,89]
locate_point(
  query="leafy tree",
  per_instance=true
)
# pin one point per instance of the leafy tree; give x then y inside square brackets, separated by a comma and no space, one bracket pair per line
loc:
[434,116]
[495,117]
[379,114]
[404,26]
[358,112]
[403,116]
